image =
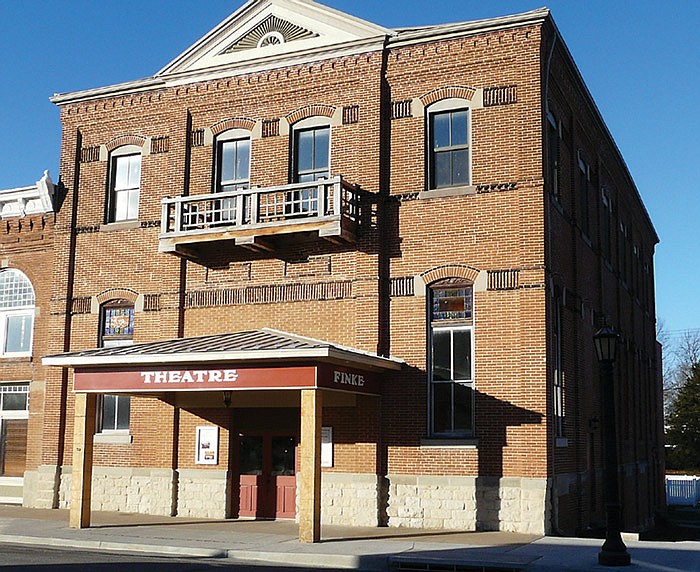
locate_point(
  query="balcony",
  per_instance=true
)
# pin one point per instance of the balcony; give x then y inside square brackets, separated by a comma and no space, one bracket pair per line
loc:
[252,217]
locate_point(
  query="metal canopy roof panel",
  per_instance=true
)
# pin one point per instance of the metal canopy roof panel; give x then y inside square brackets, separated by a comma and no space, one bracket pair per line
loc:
[250,346]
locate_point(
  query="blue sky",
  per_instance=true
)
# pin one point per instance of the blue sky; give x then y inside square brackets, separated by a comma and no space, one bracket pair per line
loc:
[639,59]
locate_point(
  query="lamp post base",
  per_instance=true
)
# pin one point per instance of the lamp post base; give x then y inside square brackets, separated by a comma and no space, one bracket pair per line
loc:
[614,557]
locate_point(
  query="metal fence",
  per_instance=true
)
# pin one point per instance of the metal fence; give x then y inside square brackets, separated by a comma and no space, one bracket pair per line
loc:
[683,490]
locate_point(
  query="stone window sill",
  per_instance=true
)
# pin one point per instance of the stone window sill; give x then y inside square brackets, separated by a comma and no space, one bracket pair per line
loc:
[125,225]
[447,192]
[450,443]
[113,438]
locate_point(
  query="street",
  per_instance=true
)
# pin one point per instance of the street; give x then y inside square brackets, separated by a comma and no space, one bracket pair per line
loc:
[16,557]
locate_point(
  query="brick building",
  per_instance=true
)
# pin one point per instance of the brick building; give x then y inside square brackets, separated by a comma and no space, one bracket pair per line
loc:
[319,268]
[26,268]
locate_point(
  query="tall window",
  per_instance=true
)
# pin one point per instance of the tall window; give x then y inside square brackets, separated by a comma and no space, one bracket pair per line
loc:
[584,183]
[451,364]
[16,313]
[125,184]
[14,414]
[311,154]
[558,397]
[606,225]
[554,150]
[449,148]
[117,329]
[232,163]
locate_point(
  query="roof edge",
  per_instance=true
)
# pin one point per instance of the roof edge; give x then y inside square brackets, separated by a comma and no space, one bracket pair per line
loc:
[408,36]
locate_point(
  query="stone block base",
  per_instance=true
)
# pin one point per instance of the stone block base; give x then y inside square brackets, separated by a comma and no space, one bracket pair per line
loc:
[469,503]
[202,494]
[351,499]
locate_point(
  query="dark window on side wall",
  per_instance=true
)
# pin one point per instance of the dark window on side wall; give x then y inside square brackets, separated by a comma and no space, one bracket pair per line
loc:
[554,153]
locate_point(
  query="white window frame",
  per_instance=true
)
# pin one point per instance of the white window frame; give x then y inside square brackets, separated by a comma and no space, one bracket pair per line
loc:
[444,106]
[22,309]
[227,136]
[315,122]
[13,415]
[451,325]
[106,433]
[121,152]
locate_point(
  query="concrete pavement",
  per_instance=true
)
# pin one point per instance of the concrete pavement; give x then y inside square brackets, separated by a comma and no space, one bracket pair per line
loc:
[341,547]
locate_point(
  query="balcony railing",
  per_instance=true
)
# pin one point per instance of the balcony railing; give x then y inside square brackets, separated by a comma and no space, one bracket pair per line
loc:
[246,215]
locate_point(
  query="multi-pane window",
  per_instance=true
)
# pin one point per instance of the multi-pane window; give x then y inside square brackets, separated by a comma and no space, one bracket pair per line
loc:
[554,151]
[449,148]
[117,329]
[311,163]
[311,154]
[14,413]
[125,186]
[16,313]
[232,173]
[451,364]
[233,164]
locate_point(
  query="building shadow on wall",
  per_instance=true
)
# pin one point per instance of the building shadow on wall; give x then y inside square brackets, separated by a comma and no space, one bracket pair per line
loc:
[497,497]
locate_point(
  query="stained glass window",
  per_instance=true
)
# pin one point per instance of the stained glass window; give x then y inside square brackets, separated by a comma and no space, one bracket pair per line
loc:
[452,303]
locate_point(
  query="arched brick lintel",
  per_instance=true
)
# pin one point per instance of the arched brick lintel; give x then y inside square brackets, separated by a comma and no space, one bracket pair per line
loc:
[125,140]
[232,123]
[307,111]
[450,271]
[451,91]
[117,294]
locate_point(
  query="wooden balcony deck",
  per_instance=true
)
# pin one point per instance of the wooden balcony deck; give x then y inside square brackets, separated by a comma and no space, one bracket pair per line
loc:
[251,217]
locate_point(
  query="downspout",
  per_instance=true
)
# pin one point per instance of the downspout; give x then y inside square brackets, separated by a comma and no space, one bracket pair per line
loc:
[548,257]
[67,324]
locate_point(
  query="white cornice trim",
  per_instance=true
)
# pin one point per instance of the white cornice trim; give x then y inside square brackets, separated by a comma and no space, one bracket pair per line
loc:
[355,48]
[326,22]
[125,88]
[23,201]
[408,36]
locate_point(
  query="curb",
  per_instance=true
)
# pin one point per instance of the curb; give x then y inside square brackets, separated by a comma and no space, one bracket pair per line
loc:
[320,560]
[116,546]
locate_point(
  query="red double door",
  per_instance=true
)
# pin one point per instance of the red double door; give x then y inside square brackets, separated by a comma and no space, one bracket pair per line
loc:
[267,475]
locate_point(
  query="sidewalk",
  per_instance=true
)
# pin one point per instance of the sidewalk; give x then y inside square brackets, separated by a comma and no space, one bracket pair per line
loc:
[341,547]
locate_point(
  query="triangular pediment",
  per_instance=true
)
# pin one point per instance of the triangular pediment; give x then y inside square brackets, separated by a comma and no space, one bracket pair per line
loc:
[273,30]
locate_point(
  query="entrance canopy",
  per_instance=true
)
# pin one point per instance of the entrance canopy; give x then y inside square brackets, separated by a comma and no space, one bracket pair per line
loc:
[259,359]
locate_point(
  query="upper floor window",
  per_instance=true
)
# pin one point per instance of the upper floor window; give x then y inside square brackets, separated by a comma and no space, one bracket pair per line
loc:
[584,191]
[232,161]
[451,363]
[554,153]
[124,184]
[448,144]
[311,153]
[16,313]
[606,225]
[117,329]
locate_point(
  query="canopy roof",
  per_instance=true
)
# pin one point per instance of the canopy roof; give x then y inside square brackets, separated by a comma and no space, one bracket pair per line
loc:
[253,346]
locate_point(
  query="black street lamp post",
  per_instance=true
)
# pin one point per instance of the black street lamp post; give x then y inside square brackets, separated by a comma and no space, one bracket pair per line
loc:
[614,552]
